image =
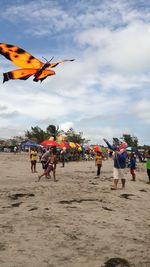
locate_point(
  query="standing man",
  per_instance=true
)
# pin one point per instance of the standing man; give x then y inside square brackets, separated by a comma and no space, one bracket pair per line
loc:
[119,167]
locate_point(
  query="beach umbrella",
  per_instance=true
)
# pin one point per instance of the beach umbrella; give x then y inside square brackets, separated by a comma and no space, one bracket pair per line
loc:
[49,143]
[129,148]
[61,144]
[104,150]
[64,145]
[79,148]
[77,145]
[86,148]
[97,148]
[67,144]
[72,144]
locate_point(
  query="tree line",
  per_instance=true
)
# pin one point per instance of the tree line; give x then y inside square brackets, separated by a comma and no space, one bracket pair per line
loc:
[38,135]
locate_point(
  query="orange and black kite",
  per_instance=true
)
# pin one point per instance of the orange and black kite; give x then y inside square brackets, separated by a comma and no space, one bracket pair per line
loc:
[29,64]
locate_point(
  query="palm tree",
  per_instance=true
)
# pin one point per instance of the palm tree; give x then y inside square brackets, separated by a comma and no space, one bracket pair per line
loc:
[54,131]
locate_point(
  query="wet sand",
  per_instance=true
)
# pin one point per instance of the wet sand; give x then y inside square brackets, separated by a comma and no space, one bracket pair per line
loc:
[75,222]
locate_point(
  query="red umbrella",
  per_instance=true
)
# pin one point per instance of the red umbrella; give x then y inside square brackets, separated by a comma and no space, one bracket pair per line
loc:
[49,143]
[97,149]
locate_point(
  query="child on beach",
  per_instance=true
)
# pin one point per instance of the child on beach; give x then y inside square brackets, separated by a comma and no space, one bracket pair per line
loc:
[98,162]
[133,166]
[33,157]
[51,167]
[44,158]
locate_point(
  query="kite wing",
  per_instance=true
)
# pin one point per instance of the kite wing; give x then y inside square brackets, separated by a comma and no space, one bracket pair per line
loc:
[22,74]
[20,57]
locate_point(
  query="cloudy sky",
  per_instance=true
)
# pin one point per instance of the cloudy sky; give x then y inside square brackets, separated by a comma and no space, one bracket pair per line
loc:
[105,92]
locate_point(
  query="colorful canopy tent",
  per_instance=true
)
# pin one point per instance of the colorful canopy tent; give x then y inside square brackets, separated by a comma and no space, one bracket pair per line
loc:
[29,144]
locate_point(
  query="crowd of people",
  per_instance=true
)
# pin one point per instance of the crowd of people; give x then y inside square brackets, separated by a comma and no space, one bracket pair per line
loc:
[122,160]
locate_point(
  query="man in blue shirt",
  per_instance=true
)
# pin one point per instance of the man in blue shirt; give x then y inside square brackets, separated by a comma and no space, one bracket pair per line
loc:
[119,166]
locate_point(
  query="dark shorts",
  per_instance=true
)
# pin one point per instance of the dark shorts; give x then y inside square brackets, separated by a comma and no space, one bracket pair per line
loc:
[33,162]
[44,165]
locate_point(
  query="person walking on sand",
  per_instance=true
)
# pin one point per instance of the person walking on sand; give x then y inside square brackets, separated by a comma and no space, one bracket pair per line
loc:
[51,167]
[133,166]
[98,162]
[44,158]
[119,167]
[148,165]
[33,157]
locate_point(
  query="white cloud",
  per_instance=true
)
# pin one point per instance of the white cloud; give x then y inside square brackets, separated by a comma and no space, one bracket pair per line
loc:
[142,110]
[125,49]
[66,125]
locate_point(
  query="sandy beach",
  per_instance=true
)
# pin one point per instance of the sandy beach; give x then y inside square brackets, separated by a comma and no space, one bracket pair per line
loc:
[75,222]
